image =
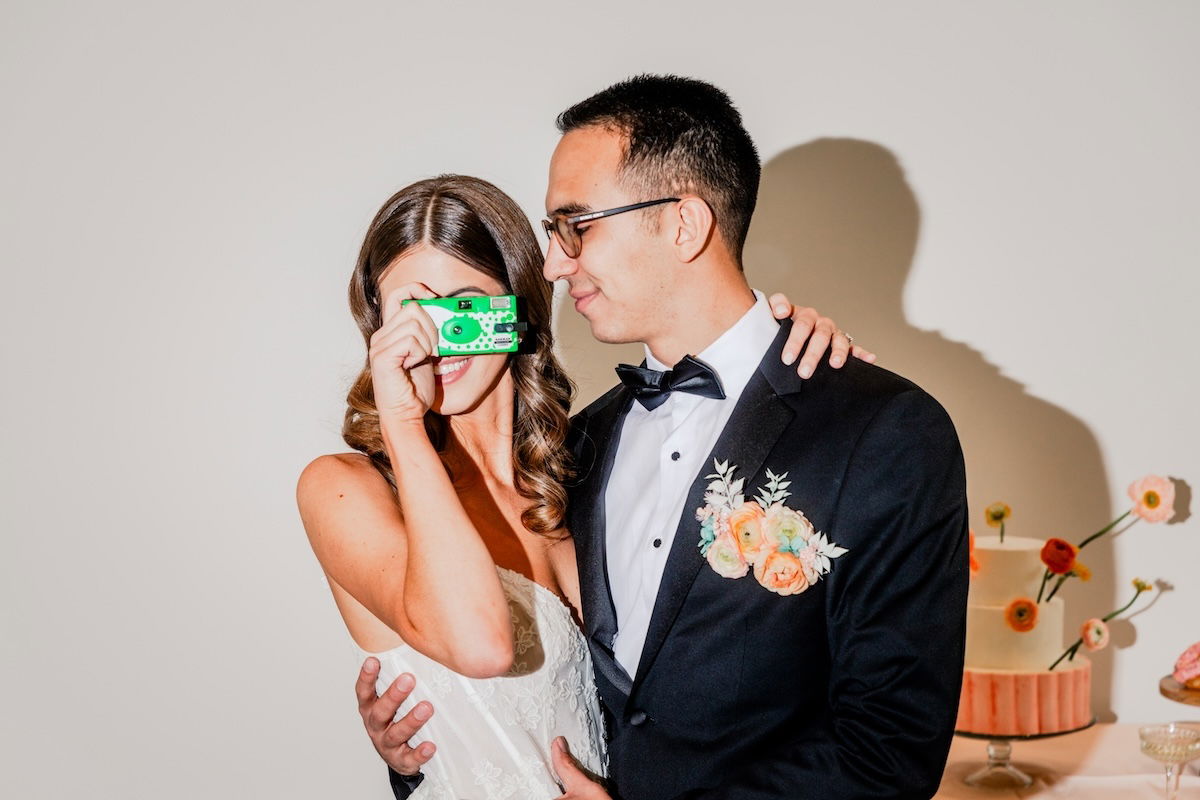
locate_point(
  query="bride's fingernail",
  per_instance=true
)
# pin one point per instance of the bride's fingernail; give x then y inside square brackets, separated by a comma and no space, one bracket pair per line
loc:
[788,357]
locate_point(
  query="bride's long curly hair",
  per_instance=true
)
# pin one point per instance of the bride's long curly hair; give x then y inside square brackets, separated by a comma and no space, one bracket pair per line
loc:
[476,223]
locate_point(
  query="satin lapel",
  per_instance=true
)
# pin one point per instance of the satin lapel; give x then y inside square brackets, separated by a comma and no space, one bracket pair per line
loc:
[600,617]
[758,420]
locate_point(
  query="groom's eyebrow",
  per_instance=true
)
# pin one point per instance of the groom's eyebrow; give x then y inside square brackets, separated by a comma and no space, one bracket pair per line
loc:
[570,210]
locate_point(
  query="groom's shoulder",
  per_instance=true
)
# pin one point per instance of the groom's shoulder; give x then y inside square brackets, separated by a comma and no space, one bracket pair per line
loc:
[865,390]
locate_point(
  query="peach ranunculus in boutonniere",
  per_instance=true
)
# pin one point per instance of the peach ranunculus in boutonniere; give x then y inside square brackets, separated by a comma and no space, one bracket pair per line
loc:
[787,553]
[749,528]
[782,573]
[725,557]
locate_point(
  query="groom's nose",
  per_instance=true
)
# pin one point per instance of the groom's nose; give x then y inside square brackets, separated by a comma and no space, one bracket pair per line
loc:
[558,264]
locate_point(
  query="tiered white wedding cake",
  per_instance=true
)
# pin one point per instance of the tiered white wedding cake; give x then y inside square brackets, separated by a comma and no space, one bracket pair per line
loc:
[1008,686]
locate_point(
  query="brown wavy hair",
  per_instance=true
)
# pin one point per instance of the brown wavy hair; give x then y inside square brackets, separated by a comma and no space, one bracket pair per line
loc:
[476,223]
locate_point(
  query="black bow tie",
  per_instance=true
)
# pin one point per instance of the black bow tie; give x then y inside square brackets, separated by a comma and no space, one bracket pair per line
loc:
[651,387]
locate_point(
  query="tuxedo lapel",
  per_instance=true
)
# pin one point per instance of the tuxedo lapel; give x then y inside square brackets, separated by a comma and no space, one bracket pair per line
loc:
[757,422]
[602,435]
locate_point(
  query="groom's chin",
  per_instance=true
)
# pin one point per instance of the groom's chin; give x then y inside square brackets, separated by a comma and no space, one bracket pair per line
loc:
[609,335]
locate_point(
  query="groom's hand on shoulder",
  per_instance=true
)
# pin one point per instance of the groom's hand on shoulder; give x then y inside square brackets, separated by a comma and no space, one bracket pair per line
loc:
[378,711]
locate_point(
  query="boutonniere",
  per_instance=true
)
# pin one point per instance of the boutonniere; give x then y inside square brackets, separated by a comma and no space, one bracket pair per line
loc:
[786,552]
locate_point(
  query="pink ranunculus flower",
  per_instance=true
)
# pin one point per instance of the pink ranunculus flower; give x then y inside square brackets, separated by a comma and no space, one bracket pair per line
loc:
[1094,634]
[725,557]
[782,573]
[746,523]
[1153,498]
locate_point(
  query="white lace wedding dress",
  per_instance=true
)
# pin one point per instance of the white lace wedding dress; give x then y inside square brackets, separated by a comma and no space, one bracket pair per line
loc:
[493,735]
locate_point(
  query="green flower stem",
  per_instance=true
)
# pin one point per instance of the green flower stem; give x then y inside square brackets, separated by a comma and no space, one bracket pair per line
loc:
[1070,651]
[1104,530]
[1136,594]
[1001,531]
[1042,588]
[1062,579]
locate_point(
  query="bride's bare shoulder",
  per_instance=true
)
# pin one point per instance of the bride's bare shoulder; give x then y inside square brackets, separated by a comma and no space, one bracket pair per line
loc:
[334,474]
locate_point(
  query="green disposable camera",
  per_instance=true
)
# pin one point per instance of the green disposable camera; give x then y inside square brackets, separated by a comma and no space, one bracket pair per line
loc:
[471,326]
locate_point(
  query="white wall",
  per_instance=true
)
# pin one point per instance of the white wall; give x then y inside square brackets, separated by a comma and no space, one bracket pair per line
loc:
[1001,199]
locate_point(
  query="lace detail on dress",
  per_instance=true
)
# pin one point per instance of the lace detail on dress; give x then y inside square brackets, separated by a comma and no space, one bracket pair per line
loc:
[494,734]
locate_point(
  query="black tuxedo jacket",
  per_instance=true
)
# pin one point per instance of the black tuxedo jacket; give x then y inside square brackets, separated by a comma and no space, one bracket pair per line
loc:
[848,689]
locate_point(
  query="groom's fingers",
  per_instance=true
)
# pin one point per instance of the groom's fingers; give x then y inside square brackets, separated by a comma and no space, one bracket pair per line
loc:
[365,687]
[378,712]
[576,784]
[379,715]
[403,729]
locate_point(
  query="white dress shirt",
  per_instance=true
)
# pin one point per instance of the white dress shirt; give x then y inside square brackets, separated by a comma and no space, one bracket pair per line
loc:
[660,454]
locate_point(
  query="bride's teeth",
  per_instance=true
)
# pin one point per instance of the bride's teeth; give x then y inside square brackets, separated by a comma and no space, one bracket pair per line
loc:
[453,366]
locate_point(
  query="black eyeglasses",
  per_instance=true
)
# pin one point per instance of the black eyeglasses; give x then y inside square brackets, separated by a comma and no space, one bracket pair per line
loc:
[568,234]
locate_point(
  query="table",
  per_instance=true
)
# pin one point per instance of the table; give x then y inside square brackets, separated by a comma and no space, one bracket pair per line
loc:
[1099,763]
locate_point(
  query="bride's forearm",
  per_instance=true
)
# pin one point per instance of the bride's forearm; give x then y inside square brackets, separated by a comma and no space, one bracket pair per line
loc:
[453,606]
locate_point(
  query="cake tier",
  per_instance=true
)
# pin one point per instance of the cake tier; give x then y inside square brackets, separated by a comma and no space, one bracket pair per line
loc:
[1013,703]
[1006,571]
[993,644]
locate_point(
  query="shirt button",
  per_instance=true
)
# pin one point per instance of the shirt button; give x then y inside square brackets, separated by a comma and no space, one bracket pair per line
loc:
[658,542]
[675,456]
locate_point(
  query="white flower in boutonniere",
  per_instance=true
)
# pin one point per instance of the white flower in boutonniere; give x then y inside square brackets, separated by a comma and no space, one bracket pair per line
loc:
[787,553]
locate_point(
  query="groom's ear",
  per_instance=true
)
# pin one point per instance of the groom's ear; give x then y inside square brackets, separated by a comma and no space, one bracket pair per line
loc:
[694,225]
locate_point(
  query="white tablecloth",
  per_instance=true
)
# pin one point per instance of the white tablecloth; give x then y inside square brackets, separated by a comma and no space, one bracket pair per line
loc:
[1102,762]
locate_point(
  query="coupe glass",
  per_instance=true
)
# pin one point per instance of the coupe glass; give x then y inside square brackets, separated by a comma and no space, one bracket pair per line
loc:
[1174,745]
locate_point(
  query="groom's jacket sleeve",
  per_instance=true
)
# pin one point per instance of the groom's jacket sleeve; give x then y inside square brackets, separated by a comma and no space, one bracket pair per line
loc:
[896,614]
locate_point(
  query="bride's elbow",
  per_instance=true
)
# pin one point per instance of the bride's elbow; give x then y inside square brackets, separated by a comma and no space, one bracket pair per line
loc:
[486,659]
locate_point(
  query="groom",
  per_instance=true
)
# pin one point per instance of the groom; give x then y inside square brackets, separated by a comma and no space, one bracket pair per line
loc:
[802,635]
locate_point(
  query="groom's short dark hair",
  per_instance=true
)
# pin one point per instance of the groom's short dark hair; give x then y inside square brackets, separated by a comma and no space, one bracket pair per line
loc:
[682,136]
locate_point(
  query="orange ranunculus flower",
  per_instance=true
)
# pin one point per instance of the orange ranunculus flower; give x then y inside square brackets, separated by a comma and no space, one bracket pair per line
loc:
[974,561]
[996,513]
[1059,555]
[746,522]
[1153,498]
[1021,615]
[782,573]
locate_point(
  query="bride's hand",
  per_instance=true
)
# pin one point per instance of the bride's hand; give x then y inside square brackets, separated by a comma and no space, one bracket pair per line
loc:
[824,333]
[400,353]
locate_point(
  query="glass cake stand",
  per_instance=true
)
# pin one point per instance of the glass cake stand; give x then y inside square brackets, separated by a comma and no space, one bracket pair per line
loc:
[999,754]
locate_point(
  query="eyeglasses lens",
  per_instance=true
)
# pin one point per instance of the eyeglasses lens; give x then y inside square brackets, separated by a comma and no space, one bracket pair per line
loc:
[567,237]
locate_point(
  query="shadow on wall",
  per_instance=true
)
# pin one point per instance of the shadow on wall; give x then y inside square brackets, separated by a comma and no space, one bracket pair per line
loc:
[836,228]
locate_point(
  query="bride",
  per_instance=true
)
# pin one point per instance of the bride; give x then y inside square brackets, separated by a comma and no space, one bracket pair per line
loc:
[442,537]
